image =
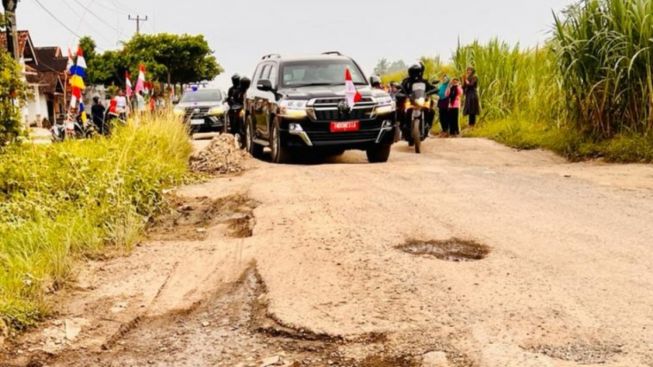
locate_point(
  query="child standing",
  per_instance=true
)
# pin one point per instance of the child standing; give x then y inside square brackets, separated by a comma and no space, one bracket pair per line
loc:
[454,94]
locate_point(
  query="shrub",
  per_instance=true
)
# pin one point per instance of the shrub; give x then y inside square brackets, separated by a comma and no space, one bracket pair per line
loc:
[13,94]
[61,202]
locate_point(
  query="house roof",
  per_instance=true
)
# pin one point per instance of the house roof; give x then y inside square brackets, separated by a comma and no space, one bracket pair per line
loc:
[50,59]
[25,45]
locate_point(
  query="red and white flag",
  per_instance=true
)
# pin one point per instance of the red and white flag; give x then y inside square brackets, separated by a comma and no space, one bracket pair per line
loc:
[352,94]
[140,83]
[128,85]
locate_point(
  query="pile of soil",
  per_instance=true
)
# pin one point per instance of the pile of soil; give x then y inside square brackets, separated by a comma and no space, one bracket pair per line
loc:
[221,156]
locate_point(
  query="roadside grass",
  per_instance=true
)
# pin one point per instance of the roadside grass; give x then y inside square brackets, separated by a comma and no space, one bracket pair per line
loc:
[60,203]
[568,142]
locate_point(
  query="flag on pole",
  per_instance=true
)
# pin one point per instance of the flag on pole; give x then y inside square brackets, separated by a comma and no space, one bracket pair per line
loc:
[140,83]
[78,72]
[82,112]
[352,94]
[128,85]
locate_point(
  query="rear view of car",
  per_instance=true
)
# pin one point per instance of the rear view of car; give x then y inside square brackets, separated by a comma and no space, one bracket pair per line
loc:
[202,110]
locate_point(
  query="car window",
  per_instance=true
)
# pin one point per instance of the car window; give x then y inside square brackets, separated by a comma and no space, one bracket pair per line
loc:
[274,73]
[265,72]
[256,74]
[206,95]
[319,72]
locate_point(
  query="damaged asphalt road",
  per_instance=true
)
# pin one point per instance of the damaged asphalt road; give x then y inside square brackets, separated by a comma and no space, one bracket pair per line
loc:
[471,254]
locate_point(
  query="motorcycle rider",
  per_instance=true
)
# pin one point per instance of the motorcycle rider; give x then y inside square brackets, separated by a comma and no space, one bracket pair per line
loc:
[234,98]
[415,75]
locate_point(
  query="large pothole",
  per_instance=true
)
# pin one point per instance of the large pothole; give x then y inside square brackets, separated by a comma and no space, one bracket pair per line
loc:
[190,218]
[453,249]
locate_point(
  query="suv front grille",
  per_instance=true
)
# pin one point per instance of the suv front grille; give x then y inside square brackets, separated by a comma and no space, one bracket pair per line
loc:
[200,112]
[326,109]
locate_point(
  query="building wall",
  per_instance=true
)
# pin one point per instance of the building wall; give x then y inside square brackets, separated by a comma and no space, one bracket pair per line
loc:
[37,109]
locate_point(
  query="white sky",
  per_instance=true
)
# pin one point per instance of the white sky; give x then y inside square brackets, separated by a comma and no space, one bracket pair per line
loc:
[241,31]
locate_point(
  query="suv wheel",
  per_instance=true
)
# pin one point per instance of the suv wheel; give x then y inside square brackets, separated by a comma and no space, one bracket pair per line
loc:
[252,148]
[378,153]
[280,154]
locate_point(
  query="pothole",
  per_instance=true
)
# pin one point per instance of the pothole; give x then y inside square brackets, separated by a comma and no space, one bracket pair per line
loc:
[190,218]
[453,249]
[596,353]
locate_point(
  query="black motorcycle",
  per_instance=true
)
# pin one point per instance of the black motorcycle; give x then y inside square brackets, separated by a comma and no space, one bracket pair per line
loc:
[72,130]
[417,107]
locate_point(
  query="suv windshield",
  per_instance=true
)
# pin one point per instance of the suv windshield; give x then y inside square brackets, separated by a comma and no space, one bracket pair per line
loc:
[319,72]
[202,96]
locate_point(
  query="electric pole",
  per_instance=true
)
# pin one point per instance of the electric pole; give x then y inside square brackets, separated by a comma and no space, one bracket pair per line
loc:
[10,24]
[138,21]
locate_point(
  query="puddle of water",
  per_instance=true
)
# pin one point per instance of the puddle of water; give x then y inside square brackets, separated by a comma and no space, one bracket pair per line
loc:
[453,249]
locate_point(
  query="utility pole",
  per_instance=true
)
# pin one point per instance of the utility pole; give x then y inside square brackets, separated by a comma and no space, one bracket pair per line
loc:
[12,34]
[138,21]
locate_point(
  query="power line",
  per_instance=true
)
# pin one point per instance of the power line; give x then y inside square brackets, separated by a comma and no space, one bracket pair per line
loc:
[57,19]
[97,17]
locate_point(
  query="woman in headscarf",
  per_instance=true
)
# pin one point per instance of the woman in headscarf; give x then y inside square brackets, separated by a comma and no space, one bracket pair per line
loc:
[443,104]
[470,89]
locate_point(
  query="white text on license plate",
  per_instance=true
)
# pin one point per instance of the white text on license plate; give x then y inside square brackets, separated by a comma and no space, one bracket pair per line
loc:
[344,126]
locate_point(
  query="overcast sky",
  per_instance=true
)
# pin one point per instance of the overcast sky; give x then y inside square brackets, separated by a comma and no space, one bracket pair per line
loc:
[241,31]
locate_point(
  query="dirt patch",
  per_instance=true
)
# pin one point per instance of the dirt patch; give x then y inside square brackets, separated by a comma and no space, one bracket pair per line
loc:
[221,156]
[190,218]
[454,249]
[584,353]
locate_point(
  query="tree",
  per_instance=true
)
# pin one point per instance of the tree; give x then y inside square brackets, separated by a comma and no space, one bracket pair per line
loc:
[13,95]
[173,58]
[396,66]
[382,67]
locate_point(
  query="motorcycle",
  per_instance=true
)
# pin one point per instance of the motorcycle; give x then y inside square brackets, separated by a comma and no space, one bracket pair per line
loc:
[72,130]
[235,122]
[416,107]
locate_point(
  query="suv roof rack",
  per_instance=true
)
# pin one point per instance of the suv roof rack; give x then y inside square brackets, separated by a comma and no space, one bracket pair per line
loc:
[332,53]
[269,56]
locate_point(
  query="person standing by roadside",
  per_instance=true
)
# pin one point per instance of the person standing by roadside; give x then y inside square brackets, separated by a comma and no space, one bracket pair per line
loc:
[472,103]
[97,114]
[122,105]
[443,105]
[454,95]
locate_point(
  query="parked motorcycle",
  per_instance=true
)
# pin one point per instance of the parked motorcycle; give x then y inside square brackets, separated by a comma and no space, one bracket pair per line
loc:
[72,130]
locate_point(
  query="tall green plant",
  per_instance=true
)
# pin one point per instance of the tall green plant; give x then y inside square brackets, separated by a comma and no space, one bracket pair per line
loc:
[605,50]
[521,83]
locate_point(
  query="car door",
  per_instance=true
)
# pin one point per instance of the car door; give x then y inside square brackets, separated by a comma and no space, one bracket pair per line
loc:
[268,100]
[251,97]
[262,104]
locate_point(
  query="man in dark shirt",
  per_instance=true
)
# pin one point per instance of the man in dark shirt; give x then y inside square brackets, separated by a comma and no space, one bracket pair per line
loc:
[97,114]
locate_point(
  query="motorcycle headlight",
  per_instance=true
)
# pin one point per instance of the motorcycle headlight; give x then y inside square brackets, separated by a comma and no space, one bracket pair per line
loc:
[179,111]
[292,109]
[420,102]
[216,111]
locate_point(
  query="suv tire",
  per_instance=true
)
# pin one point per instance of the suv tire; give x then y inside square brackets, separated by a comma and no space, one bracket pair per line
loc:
[280,154]
[378,153]
[250,145]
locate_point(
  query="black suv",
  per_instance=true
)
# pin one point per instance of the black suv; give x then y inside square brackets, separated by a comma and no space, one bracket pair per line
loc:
[296,104]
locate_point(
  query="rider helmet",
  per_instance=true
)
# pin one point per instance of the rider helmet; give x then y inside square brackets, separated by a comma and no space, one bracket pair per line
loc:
[235,80]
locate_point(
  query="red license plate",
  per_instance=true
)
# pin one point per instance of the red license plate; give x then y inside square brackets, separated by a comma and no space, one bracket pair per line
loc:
[345,126]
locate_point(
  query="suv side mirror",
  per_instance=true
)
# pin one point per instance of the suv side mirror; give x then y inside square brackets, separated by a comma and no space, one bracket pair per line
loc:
[264,85]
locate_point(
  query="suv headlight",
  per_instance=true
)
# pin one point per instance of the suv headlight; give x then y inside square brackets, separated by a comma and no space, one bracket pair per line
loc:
[384,105]
[292,109]
[179,111]
[216,111]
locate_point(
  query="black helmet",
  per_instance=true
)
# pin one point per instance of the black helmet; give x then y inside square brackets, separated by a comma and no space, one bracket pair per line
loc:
[235,80]
[375,81]
[245,82]
[415,71]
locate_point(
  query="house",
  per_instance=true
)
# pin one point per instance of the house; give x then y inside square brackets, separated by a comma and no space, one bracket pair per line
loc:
[45,72]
